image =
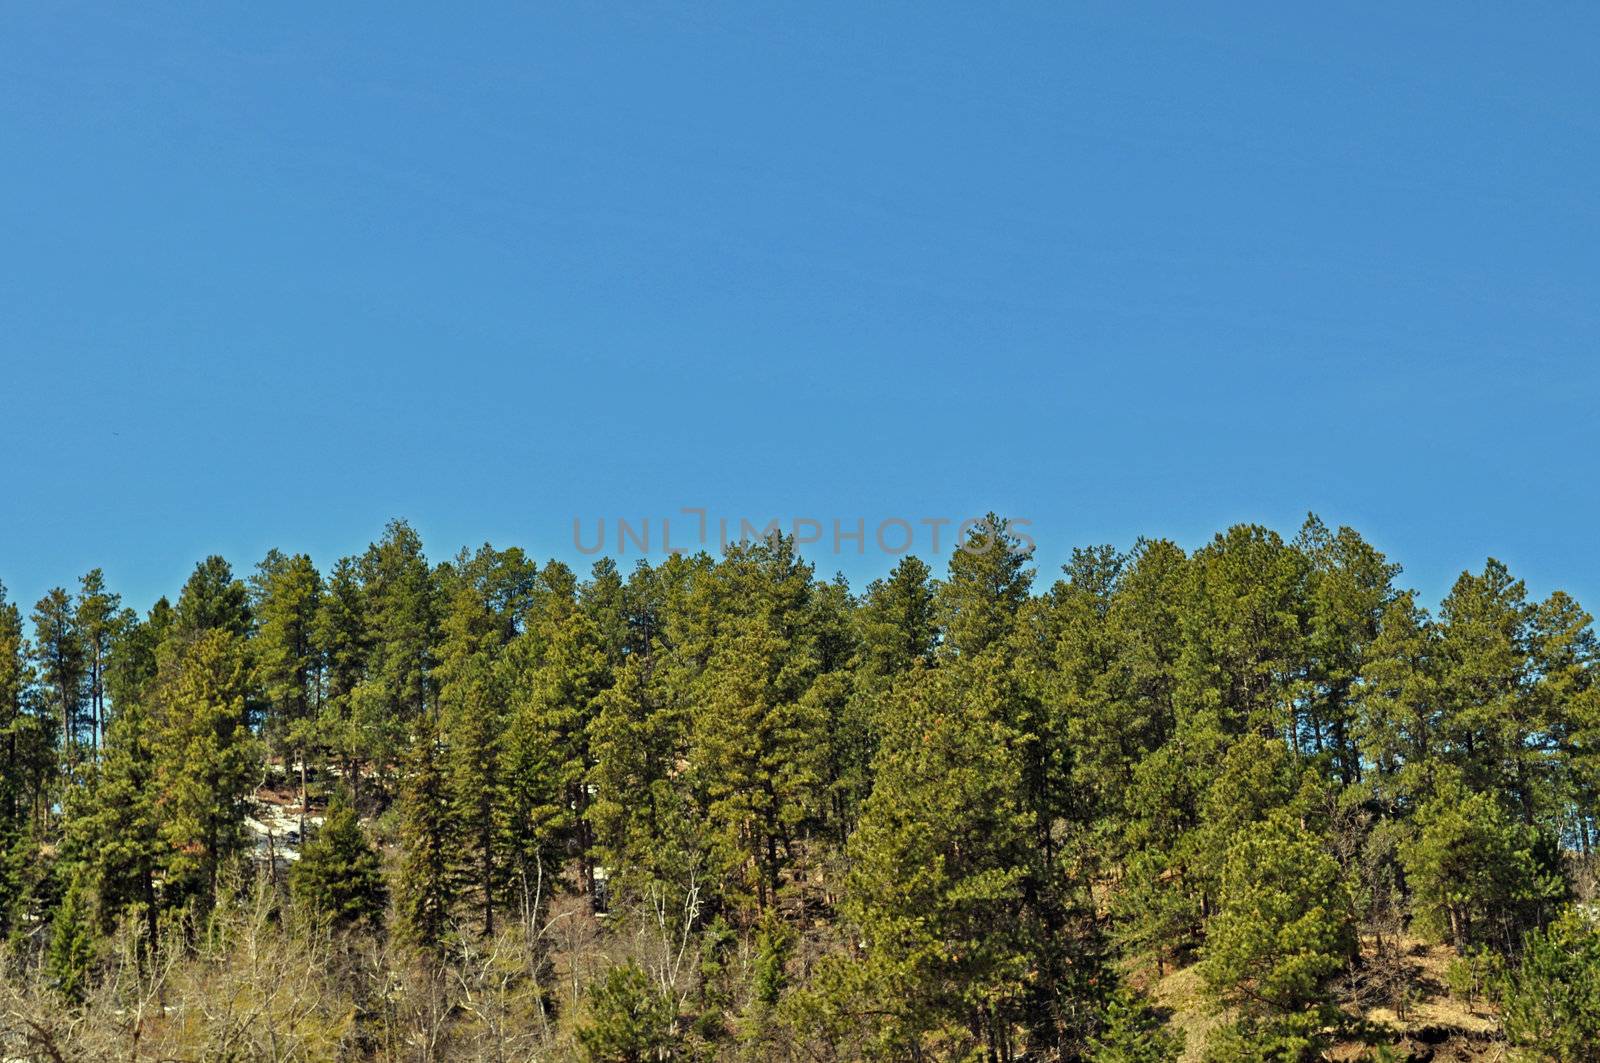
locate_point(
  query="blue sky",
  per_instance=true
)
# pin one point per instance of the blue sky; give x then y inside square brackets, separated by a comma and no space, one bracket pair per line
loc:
[271,279]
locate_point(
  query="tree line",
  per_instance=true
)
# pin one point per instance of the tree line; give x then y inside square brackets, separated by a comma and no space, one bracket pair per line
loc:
[722,808]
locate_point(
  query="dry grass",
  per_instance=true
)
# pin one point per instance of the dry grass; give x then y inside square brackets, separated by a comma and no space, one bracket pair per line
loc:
[1191,1010]
[1437,1027]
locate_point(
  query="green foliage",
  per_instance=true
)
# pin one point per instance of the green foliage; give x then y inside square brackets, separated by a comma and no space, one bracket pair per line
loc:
[58,655]
[628,1019]
[940,865]
[14,775]
[773,945]
[555,673]
[99,620]
[1550,998]
[212,600]
[1242,619]
[472,710]
[339,875]
[399,610]
[119,831]
[1477,875]
[206,759]
[988,584]
[426,888]
[1296,1038]
[288,599]
[1475,974]
[1132,1032]
[898,620]
[758,746]
[645,828]
[1285,923]
[896,826]
[71,949]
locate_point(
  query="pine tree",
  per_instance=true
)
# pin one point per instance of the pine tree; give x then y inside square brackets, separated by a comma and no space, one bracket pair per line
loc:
[988,583]
[339,875]
[71,949]
[134,658]
[14,743]
[758,753]
[212,600]
[628,1020]
[1242,619]
[1349,588]
[206,759]
[505,581]
[554,673]
[59,659]
[402,622]
[341,637]
[645,821]
[98,619]
[1284,927]
[287,594]
[121,828]
[426,888]
[1477,875]
[472,713]
[1075,669]
[1397,723]
[1551,996]
[899,622]
[1134,1033]
[940,866]
[1566,654]
[603,600]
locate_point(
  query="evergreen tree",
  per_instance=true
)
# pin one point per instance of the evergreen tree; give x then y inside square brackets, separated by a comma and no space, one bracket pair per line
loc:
[1551,996]
[71,949]
[339,875]
[940,866]
[1285,926]
[629,1020]
[426,888]
[555,673]
[603,600]
[472,712]
[400,610]
[132,663]
[899,623]
[341,637]
[1397,705]
[121,828]
[1349,588]
[98,619]
[287,594]
[1242,619]
[212,600]
[1477,875]
[988,583]
[757,754]
[207,760]
[505,581]
[59,660]
[1116,671]
[15,742]
[646,826]
[1133,1033]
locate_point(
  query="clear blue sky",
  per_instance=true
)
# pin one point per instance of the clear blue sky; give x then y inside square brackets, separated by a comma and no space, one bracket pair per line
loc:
[270,278]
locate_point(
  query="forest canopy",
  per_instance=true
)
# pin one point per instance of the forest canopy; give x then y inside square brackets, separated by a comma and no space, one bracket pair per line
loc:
[725,808]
